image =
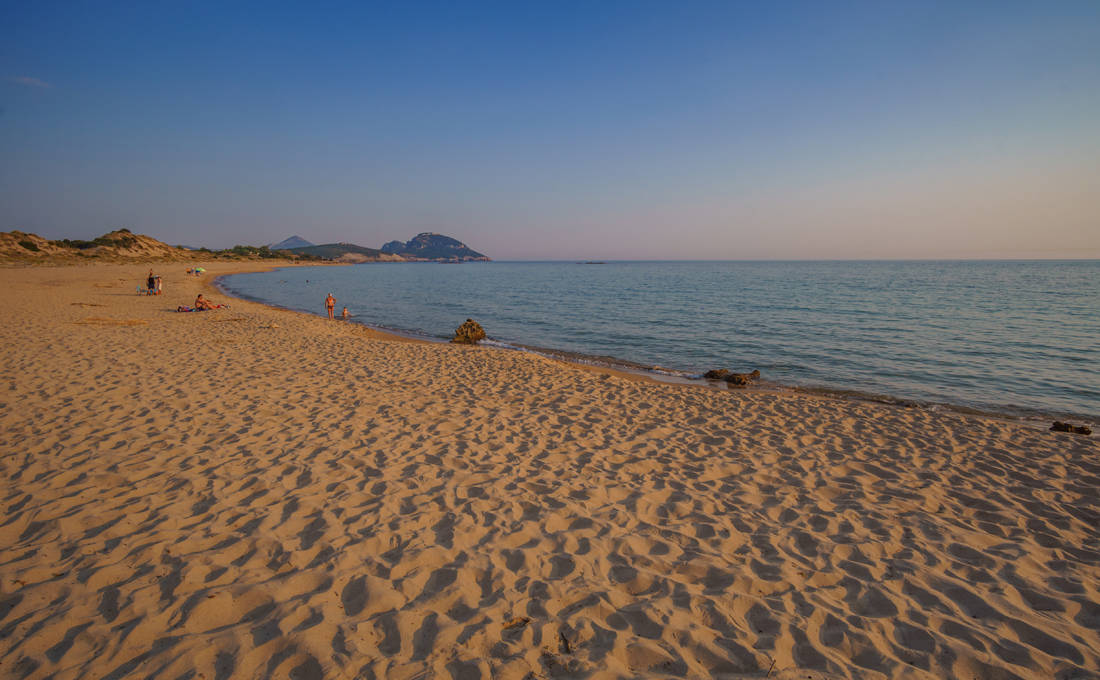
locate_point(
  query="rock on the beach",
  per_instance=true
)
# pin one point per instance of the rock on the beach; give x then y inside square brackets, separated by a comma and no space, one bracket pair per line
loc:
[1059,426]
[735,379]
[742,379]
[469,333]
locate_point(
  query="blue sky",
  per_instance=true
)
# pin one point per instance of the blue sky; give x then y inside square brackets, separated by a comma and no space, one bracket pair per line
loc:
[561,130]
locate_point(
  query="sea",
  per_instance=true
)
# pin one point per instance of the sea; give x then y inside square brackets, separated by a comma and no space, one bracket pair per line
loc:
[1013,338]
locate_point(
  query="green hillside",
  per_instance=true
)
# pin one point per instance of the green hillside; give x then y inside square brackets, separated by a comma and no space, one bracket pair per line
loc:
[331,251]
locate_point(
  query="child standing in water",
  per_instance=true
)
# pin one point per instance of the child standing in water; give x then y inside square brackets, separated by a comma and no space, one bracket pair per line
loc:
[344,314]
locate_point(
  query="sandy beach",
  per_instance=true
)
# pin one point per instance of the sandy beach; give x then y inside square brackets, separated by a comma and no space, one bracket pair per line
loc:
[253,492]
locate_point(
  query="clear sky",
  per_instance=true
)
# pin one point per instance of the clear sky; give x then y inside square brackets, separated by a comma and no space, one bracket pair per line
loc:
[610,130]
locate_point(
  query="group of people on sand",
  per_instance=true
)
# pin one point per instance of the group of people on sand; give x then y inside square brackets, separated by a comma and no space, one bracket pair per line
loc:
[202,304]
[153,284]
[154,287]
[330,306]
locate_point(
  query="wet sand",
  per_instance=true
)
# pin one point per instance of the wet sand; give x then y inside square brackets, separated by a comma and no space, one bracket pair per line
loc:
[254,492]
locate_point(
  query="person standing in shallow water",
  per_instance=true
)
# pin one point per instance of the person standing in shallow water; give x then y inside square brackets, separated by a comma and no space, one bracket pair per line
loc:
[330,305]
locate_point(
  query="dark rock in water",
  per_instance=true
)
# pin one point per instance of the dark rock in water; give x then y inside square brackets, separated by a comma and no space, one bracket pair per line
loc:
[742,379]
[469,333]
[735,379]
[1059,426]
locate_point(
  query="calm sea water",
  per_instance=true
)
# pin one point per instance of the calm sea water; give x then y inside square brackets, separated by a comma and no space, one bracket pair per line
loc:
[1013,337]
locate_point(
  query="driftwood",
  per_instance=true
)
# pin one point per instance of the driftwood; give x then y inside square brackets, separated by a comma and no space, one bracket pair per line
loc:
[735,379]
[1059,426]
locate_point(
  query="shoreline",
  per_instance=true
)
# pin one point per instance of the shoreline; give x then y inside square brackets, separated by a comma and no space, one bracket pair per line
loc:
[256,492]
[1030,416]
[395,335]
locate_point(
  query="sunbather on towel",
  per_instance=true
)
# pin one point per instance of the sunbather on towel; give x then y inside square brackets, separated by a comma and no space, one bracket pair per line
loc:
[202,303]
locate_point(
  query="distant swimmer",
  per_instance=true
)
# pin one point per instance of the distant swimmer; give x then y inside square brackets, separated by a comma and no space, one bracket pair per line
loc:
[330,305]
[344,314]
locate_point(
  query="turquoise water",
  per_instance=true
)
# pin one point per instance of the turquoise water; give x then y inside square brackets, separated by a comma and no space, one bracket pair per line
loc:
[1013,337]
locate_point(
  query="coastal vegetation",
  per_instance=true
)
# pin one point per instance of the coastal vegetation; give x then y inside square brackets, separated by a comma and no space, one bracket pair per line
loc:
[117,244]
[338,252]
[123,244]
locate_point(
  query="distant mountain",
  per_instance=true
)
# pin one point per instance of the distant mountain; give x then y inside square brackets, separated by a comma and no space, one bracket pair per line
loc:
[434,247]
[290,243]
[346,252]
[424,247]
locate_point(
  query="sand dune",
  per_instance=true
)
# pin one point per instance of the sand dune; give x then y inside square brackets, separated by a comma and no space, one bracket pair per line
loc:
[258,493]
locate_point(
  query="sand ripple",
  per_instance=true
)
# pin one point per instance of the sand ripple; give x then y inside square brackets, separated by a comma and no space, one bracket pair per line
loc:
[209,496]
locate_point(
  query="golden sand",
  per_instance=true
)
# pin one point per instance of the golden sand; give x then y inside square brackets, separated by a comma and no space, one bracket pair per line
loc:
[257,493]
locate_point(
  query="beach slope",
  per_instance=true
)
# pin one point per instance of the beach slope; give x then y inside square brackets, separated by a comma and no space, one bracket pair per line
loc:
[253,492]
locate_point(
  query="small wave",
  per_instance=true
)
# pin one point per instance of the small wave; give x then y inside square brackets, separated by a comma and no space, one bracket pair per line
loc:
[603,361]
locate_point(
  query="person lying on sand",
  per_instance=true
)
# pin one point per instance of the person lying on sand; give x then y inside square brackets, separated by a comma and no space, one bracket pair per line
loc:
[185,308]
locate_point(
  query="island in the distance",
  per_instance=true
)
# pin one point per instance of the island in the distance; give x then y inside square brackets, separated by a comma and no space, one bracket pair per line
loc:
[435,248]
[425,247]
